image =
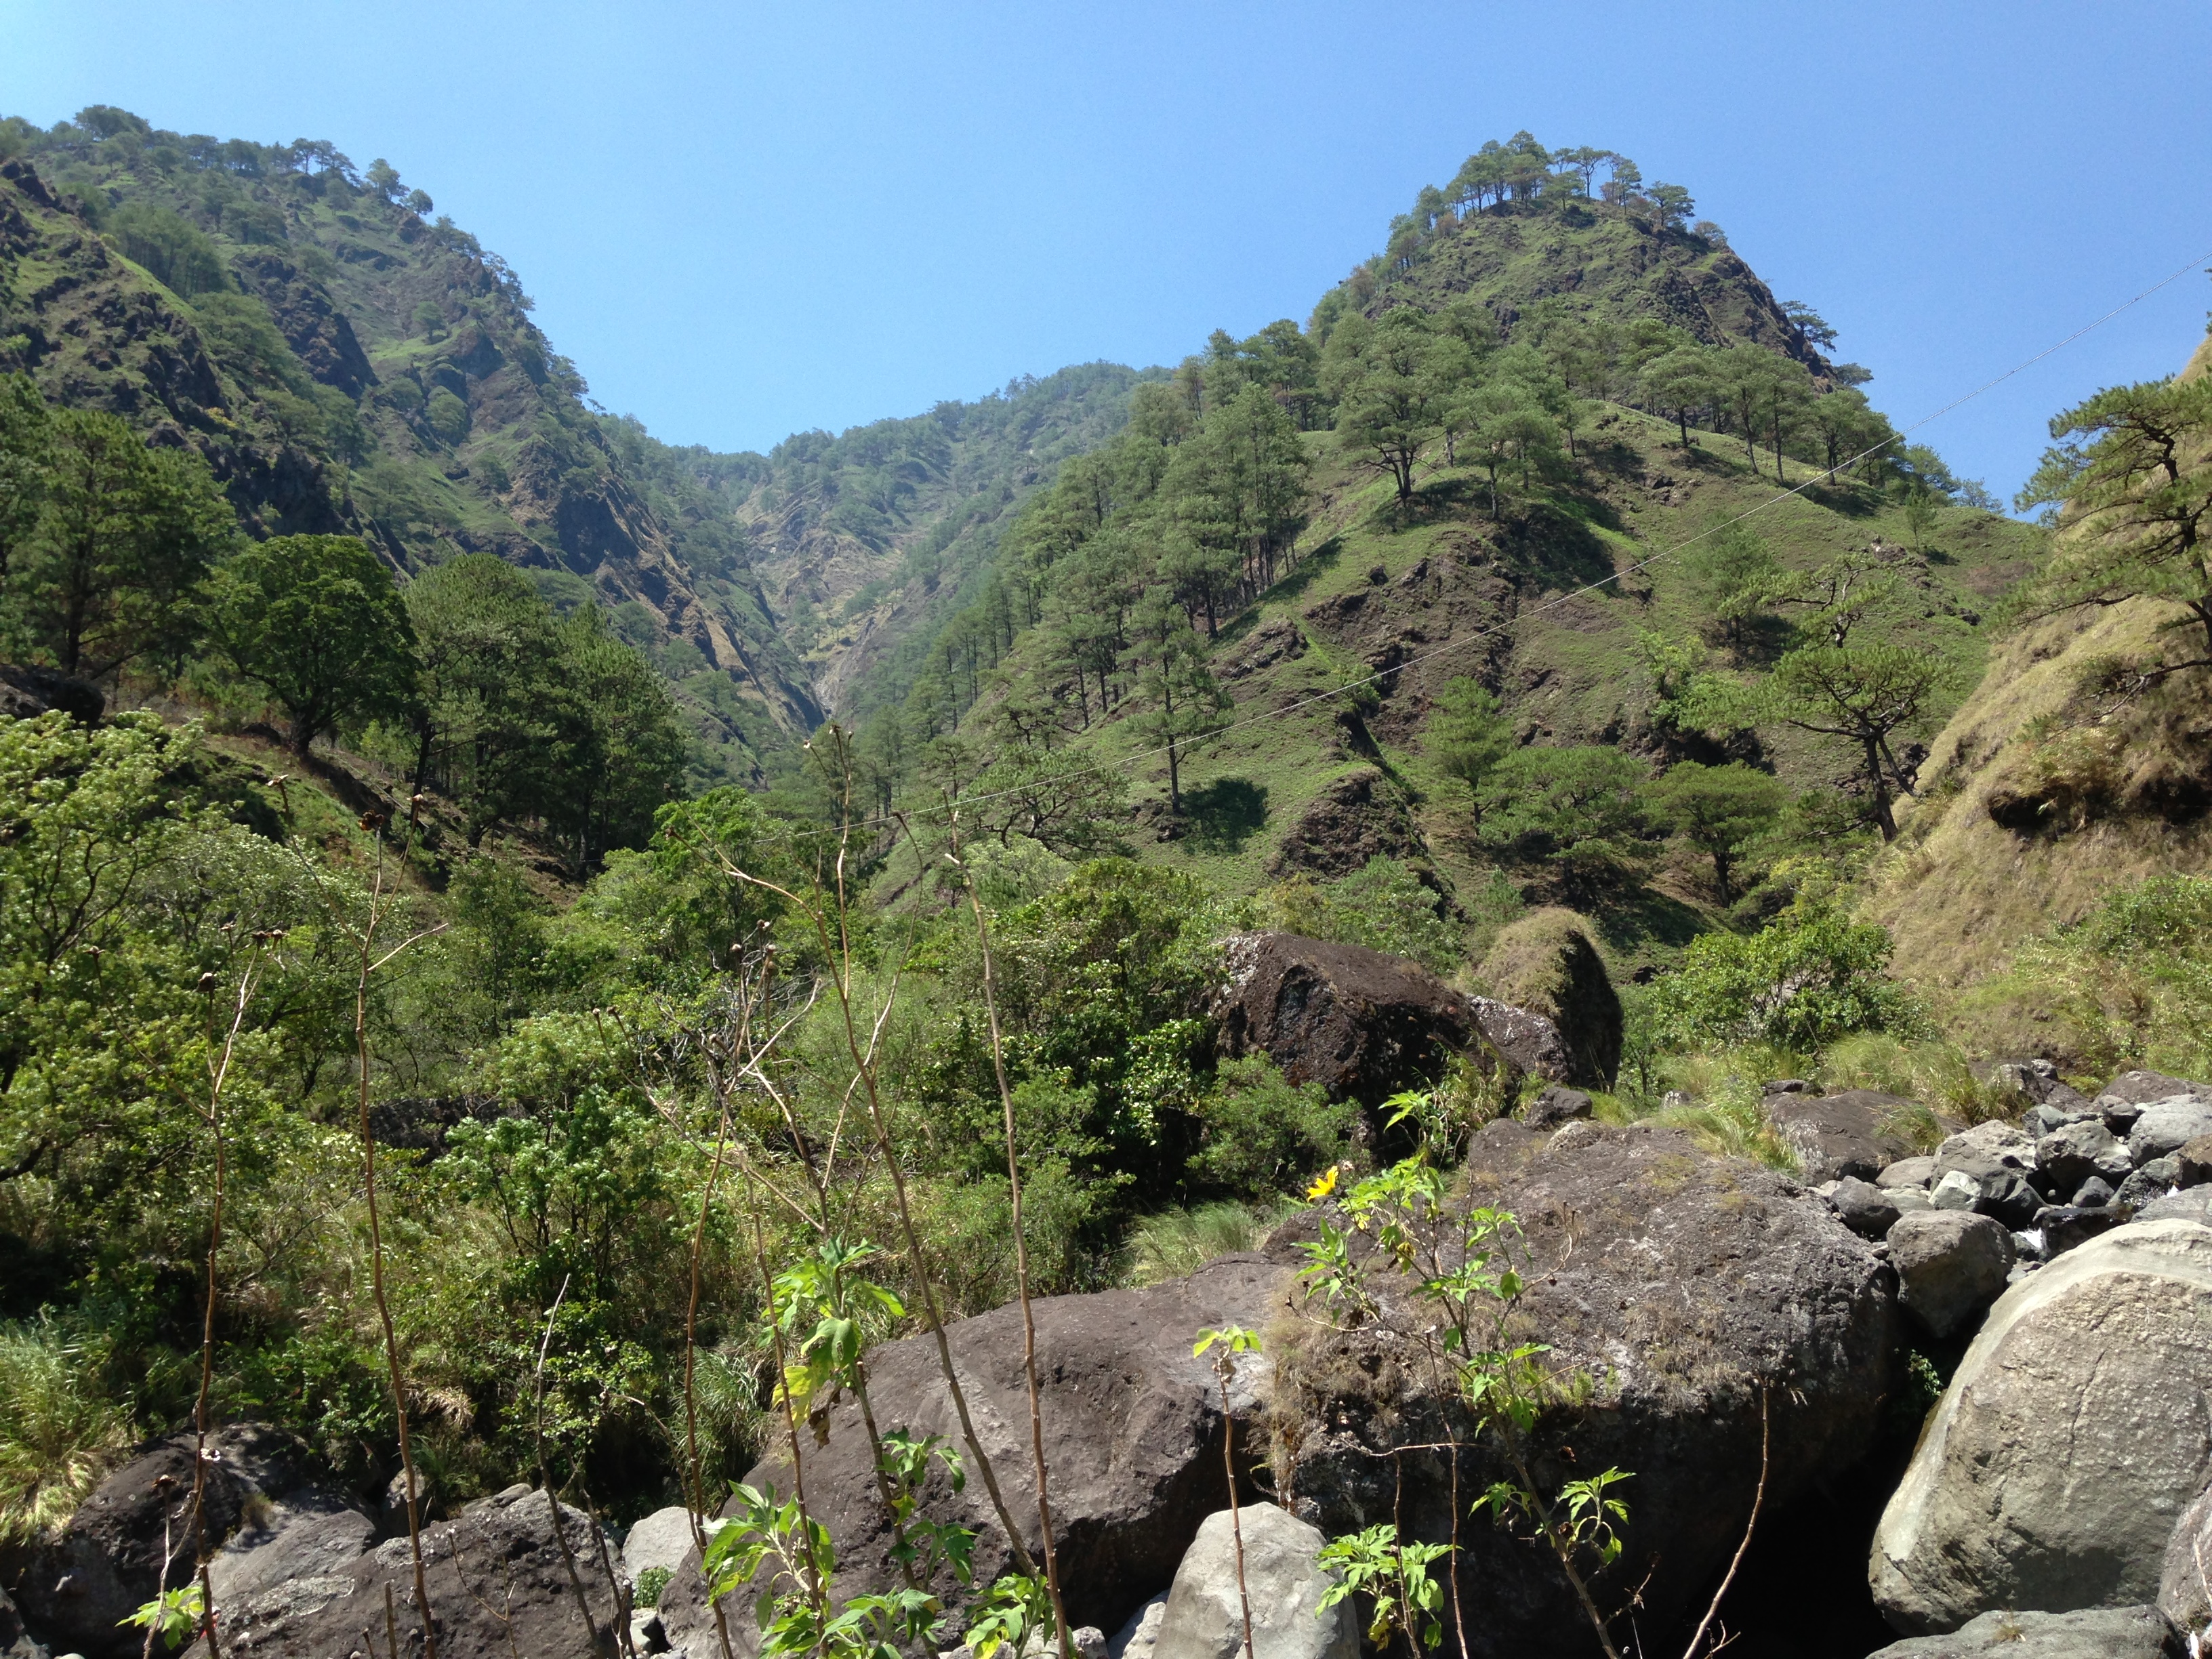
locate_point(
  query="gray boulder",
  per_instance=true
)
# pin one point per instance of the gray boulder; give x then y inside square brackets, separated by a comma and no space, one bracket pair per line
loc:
[2154,1179]
[498,1585]
[1919,1172]
[1205,1616]
[1863,1208]
[2192,1204]
[2001,1161]
[1850,1134]
[1137,1639]
[2140,1088]
[663,1539]
[1957,1190]
[108,1560]
[1683,1285]
[2071,1438]
[1364,1025]
[2101,1633]
[2064,1226]
[2195,1160]
[1951,1264]
[2167,1126]
[2072,1153]
[1133,1437]
[2095,1193]
[2183,1596]
[1556,1105]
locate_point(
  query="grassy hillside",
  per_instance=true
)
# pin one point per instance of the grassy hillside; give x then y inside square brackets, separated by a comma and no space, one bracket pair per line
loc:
[2066,777]
[1315,790]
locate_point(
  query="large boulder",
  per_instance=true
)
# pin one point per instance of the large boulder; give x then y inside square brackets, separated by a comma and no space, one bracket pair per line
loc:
[1282,1580]
[108,1561]
[1364,1025]
[2069,1440]
[1134,1440]
[2165,1126]
[1852,1133]
[662,1538]
[1951,1264]
[2183,1594]
[1547,964]
[2101,1633]
[28,691]
[1686,1287]
[499,1582]
[1999,1160]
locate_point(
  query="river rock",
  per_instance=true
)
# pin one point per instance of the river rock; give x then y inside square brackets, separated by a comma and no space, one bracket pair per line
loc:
[1685,1286]
[1285,1584]
[2001,1161]
[2140,1088]
[2072,1153]
[1850,1134]
[498,1580]
[15,1642]
[1133,1432]
[2183,1596]
[1917,1171]
[1363,1024]
[2069,1440]
[107,1562]
[2167,1126]
[1950,1265]
[1863,1208]
[1137,1639]
[662,1538]
[2101,1633]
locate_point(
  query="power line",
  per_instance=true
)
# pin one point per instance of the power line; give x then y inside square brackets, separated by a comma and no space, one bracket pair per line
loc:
[1558,600]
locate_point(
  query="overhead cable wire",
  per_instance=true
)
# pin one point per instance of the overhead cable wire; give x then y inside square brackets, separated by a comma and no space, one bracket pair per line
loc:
[1556,601]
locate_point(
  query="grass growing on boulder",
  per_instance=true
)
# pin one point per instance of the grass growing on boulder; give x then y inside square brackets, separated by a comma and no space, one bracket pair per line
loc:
[1177,1242]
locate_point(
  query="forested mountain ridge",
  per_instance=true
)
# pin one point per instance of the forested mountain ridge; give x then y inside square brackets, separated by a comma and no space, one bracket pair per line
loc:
[858,542]
[347,361]
[1607,260]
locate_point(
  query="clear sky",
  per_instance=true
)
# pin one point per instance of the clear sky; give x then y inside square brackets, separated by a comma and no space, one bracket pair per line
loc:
[744,220]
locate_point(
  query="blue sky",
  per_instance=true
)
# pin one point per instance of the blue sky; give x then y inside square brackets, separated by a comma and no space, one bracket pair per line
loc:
[743,220]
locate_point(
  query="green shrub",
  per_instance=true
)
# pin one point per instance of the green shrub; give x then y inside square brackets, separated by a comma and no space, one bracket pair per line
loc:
[1810,977]
[1383,906]
[650,1583]
[1262,1135]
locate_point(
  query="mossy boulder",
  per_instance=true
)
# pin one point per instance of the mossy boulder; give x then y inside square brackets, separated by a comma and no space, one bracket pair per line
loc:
[1548,963]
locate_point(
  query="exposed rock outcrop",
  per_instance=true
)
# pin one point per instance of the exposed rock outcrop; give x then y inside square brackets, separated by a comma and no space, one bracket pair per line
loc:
[108,1560]
[1851,1133]
[2103,1633]
[499,1586]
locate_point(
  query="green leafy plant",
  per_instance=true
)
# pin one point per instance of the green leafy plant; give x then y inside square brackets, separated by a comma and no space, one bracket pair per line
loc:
[1377,1564]
[173,1616]
[1006,1615]
[650,1583]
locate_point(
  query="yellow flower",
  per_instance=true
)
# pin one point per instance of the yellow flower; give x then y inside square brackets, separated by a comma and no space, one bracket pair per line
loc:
[1325,1186]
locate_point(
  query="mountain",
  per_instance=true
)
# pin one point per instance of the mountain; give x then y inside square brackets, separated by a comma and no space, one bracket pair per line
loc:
[348,361]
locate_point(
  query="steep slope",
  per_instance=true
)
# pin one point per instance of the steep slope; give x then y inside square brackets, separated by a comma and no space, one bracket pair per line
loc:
[859,544]
[348,362]
[2064,778]
[1316,787]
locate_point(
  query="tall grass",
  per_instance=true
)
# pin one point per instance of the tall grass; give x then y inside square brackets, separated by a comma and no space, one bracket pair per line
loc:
[59,1434]
[1173,1242]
